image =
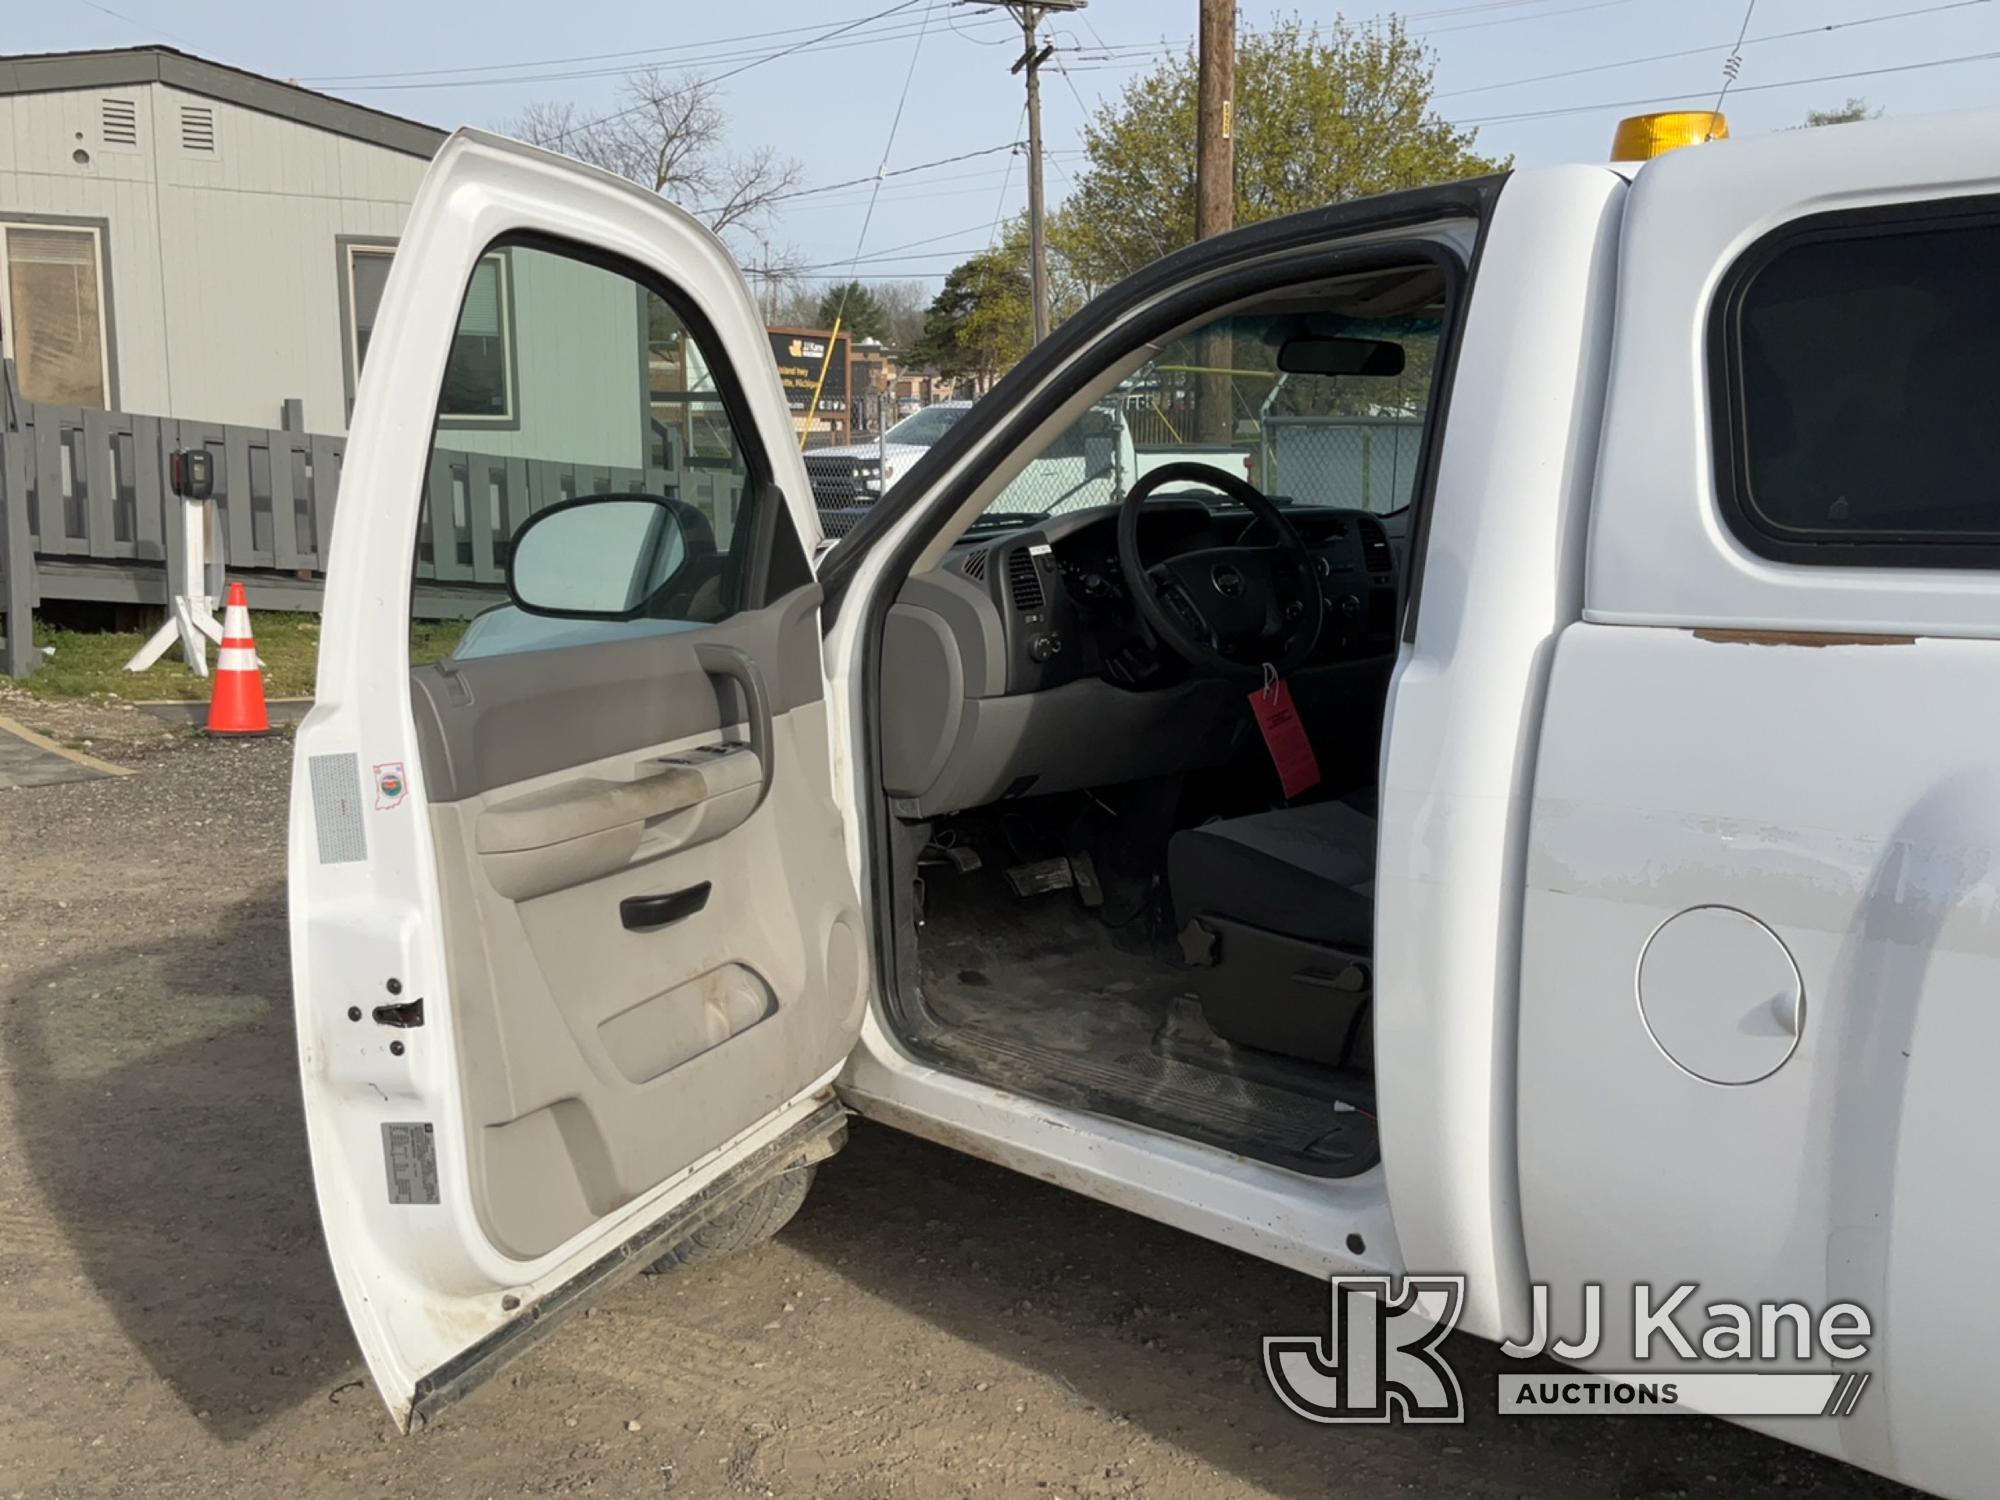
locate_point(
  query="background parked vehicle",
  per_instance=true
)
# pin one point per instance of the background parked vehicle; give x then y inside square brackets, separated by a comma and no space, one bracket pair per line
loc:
[860,473]
[1094,463]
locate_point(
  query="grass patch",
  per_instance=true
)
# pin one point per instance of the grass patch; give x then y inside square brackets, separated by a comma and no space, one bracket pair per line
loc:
[91,663]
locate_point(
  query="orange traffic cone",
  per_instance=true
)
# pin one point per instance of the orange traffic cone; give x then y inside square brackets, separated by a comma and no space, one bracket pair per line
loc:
[237,706]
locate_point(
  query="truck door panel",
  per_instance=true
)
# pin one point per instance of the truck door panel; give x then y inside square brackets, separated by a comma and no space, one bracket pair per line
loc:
[576,947]
[1788,753]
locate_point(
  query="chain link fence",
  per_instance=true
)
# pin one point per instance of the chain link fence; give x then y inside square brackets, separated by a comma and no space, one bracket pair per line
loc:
[1355,463]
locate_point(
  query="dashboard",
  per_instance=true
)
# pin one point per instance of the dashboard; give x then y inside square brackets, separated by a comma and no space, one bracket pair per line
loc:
[1066,615]
[1019,666]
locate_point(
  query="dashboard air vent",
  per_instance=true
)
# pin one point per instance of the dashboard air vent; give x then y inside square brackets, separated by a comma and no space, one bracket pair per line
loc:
[1376,554]
[1024,584]
[973,565]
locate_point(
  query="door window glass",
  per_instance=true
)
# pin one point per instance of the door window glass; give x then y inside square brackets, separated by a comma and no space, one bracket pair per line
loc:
[614,394]
[1316,408]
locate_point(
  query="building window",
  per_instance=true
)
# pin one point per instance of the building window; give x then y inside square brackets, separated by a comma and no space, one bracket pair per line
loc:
[1859,421]
[479,385]
[53,321]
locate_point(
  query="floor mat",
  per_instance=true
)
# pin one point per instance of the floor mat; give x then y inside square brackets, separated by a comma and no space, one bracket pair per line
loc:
[1038,997]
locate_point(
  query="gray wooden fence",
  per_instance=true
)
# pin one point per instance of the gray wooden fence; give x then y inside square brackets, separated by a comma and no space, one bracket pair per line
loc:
[85,509]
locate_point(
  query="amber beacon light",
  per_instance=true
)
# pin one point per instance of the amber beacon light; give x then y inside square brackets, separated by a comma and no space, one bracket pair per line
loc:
[1643,137]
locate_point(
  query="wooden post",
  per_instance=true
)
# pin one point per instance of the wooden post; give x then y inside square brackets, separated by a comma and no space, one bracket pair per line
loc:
[1038,238]
[1215,199]
[17,557]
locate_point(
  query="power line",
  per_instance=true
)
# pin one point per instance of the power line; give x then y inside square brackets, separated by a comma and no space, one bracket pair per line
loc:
[1124,56]
[911,275]
[888,252]
[1775,36]
[695,53]
[1748,88]
[1152,231]
[1547,15]
[903,193]
[1006,180]
[949,257]
[922,166]
[564,136]
[633,63]
[881,168]
[119,15]
[952,25]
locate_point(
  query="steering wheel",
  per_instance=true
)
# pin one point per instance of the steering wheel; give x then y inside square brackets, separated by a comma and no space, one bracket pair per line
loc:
[1228,611]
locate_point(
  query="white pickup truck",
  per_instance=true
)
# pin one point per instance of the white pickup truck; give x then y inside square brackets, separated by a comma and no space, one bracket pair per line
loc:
[1627,923]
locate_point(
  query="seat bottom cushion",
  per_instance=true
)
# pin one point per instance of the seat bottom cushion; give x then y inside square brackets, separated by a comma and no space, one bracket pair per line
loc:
[1305,872]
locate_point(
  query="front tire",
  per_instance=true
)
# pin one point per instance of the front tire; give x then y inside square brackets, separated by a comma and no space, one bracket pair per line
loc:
[742,1226]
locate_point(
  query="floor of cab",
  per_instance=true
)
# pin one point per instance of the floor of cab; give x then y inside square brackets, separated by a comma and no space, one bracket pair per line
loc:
[1040,996]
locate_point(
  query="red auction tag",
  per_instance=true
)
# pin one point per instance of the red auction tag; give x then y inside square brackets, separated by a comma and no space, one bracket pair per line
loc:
[1284,735]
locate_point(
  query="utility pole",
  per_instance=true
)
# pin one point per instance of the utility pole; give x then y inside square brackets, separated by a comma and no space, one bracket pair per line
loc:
[770,282]
[1215,201]
[1029,13]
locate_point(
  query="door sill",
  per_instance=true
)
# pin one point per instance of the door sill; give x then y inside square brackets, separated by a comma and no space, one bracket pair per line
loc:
[1317,1225]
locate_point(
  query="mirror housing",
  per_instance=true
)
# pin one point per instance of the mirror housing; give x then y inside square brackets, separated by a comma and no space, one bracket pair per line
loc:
[597,557]
[1317,354]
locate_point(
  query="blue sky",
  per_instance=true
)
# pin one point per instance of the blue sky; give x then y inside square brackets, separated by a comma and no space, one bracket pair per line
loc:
[830,107]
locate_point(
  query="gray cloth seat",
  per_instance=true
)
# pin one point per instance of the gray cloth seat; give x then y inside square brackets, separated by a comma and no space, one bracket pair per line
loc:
[1303,872]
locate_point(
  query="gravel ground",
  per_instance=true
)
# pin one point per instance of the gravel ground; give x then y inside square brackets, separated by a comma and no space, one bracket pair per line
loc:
[929,1326]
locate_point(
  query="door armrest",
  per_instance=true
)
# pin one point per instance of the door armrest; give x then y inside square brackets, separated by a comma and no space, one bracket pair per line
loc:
[582,830]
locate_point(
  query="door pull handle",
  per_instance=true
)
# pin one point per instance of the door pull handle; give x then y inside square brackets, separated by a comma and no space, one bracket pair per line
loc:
[650,913]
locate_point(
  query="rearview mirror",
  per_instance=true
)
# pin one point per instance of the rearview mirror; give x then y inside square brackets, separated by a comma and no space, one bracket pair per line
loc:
[1316,355]
[599,557]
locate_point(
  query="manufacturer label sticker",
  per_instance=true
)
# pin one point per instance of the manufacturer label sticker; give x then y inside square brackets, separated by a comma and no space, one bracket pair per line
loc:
[409,1152]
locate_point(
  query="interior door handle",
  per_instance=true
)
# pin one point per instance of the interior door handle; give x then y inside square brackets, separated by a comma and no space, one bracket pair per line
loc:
[646,913]
[719,660]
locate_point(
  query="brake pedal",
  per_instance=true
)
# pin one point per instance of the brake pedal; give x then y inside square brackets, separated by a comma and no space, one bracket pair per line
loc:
[961,857]
[1083,874]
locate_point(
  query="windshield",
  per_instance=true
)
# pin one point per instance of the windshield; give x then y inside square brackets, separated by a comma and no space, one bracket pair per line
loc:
[921,429]
[1217,396]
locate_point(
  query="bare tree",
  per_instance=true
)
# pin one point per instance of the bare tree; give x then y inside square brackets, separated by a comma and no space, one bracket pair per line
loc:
[667,134]
[798,305]
[906,303]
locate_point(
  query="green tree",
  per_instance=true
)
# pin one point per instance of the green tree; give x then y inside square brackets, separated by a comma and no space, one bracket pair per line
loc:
[981,322]
[1324,114]
[860,311]
[1845,114]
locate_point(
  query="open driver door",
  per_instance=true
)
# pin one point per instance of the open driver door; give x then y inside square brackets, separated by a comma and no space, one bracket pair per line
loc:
[576,947]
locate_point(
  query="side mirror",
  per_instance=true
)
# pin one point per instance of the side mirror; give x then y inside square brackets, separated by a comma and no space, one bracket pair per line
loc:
[599,557]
